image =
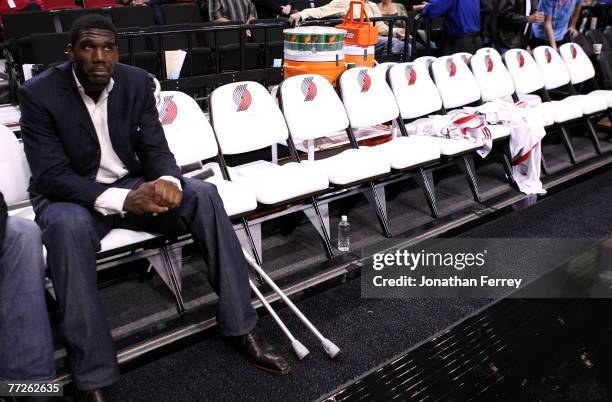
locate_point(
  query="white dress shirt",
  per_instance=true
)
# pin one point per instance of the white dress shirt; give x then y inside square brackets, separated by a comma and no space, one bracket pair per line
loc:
[111,168]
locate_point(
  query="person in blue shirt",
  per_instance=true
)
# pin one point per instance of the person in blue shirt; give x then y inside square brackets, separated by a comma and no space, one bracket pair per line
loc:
[461,24]
[560,18]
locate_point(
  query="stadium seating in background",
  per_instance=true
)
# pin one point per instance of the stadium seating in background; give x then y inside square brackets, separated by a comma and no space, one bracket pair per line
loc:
[67,17]
[188,13]
[102,4]
[60,4]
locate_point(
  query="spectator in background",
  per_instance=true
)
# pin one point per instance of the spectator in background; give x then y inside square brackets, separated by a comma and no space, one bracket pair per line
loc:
[560,18]
[339,8]
[26,345]
[414,5]
[390,9]
[273,8]
[231,10]
[511,21]
[461,24]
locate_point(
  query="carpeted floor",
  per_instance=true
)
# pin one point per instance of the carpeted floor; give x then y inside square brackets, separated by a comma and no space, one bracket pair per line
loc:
[369,331]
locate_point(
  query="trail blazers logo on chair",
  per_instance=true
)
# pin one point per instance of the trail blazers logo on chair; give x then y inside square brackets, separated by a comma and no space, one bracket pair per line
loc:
[521,59]
[309,89]
[242,98]
[451,67]
[411,75]
[489,62]
[364,80]
[548,55]
[574,52]
[168,111]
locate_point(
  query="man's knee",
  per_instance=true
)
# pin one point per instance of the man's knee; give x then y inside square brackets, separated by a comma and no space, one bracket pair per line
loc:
[200,189]
[24,231]
[62,219]
[22,248]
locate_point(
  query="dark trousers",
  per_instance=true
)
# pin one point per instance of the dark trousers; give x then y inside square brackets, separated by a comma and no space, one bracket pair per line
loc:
[26,346]
[464,43]
[72,234]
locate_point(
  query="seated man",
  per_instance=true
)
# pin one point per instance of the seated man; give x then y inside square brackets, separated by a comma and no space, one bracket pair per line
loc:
[99,161]
[26,345]
[339,8]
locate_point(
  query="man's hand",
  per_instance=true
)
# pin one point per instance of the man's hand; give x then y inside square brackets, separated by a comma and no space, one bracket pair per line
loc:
[153,197]
[573,32]
[536,18]
[400,33]
[419,7]
[294,19]
[286,10]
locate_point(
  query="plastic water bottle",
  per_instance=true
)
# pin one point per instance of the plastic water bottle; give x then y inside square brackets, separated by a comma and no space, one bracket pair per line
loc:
[344,234]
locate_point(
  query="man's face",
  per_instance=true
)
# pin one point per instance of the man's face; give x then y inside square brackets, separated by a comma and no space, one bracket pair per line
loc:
[94,55]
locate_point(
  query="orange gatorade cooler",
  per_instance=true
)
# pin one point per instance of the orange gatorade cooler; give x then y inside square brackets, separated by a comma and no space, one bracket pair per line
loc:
[361,56]
[314,50]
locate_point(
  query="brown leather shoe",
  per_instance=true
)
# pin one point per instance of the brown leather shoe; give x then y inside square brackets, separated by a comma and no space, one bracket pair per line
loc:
[93,395]
[260,353]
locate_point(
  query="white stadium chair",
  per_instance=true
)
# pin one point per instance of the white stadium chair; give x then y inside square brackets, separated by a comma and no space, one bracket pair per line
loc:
[528,78]
[581,69]
[557,77]
[192,140]
[245,118]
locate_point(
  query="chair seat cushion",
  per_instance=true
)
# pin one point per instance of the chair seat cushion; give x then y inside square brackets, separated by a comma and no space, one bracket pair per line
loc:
[123,237]
[404,152]
[352,165]
[589,103]
[531,99]
[561,111]
[273,183]
[447,146]
[237,198]
[607,94]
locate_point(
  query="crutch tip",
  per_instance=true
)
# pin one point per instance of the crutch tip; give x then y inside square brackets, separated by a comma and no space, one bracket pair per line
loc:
[300,349]
[331,349]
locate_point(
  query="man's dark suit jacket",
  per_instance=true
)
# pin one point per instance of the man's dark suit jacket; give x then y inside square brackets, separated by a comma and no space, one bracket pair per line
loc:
[508,23]
[3,218]
[61,143]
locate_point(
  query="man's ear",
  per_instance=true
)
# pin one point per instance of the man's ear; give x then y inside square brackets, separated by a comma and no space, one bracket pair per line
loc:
[70,52]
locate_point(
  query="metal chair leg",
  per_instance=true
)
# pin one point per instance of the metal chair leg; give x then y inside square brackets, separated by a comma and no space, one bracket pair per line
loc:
[466,164]
[253,247]
[504,159]
[380,213]
[568,145]
[425,181]
[593,135]
[169,267]
[325,235]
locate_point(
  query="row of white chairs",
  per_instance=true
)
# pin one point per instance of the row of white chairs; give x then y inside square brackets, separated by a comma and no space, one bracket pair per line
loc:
[245,117]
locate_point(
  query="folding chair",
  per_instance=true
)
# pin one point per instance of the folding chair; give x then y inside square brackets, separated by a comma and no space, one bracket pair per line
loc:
[458,88]
[116,243]
[581,70]
[67,17]
[19,26]
[557,77]
[596,36]
[245,118]
[188,13]
[192,140]
[369,101]
[128,17]
[417,97]
[528,79]
[48,48]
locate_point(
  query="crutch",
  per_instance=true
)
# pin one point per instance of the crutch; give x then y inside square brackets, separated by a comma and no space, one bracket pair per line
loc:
[300,350]
[331,349]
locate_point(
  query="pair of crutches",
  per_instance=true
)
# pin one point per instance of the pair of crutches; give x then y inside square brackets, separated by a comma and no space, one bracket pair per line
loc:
[300,350]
